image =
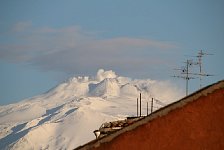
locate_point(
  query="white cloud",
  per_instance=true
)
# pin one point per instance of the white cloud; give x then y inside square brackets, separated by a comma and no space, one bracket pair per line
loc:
[73,49]
[101,74]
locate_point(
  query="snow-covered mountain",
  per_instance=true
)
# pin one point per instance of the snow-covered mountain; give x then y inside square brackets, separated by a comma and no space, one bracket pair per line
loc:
[66,116]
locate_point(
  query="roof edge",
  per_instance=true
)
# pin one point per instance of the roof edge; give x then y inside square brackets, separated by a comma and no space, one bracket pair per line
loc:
[161,112]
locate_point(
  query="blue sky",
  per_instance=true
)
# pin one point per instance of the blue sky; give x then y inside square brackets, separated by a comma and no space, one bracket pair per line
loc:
[44,42]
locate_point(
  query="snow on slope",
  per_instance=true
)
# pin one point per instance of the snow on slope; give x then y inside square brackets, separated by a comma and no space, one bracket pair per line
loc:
[107,87]
[66,116]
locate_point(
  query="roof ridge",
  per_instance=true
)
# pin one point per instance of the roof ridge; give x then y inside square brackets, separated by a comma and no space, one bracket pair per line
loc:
[158,113]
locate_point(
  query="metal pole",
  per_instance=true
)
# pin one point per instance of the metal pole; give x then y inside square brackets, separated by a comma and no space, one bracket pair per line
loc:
[200,65]
[187,78]
[147,109]
[140,104]
[137,107]
[152,105]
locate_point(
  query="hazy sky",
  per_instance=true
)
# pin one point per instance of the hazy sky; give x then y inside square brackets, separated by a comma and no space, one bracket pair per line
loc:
[44,42]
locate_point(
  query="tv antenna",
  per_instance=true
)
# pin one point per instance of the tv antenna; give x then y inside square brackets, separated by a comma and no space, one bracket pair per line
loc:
[201,74]
[185,74]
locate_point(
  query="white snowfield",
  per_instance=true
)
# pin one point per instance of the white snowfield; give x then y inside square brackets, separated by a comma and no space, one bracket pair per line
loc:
[66,116]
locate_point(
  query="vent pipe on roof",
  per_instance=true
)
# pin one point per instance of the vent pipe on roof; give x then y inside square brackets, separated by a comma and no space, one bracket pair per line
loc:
[140,104]
[152,105]
[147,109]
[96,133]
[137,107]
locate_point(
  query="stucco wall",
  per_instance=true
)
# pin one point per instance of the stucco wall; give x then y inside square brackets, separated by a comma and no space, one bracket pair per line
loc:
[197,125]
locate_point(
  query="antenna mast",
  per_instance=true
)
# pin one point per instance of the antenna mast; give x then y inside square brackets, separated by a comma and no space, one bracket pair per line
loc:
[185,73]
[201,74]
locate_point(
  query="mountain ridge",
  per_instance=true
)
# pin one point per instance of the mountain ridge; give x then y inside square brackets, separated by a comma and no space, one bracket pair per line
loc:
[66,116]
